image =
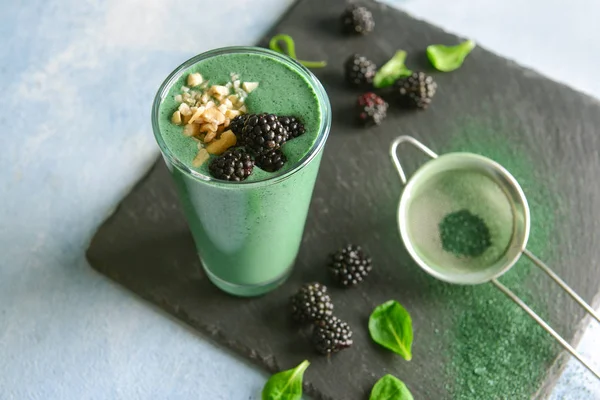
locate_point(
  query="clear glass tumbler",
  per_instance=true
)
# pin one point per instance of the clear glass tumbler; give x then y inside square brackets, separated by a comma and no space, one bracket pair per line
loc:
[247,234]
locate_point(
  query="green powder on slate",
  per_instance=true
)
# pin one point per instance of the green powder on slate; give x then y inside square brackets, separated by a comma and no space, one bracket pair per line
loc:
[496,350]
[464,234]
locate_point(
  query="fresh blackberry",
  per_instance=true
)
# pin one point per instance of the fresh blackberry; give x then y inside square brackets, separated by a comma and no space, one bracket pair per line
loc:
[359,70]
[294,127]
[350,265]
[357,20]
[311,303]
[271,160]
[233,165]
[331,335]
[416,90]
[372,109]
[262,132]
[237,124]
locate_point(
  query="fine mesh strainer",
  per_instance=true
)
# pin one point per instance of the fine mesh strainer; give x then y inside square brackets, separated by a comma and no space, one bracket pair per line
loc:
[466,181]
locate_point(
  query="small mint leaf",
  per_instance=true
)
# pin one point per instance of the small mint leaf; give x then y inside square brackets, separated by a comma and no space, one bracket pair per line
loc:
[390,388]
[285,385]
[390,326]
[449,58]
[391,71]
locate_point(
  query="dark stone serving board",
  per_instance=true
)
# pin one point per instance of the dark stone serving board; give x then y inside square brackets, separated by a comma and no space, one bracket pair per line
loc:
[146,247]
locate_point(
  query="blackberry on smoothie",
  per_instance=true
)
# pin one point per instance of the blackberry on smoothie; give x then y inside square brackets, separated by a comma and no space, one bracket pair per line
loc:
[242,131]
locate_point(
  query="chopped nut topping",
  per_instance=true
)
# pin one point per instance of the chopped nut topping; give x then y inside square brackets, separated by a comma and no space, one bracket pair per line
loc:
[194,79]
[191,129]
[214,116]
[249,86]
[176,118]
[197,114]
[218,91]
[208,127]
[206,112]
[184,109]
[219,146]
[210,136]
[231,114]
[200,158]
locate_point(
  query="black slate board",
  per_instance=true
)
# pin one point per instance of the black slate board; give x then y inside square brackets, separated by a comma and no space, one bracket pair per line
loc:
[146,247]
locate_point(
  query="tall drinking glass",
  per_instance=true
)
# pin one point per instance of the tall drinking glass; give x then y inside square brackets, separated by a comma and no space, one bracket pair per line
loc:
[248,233]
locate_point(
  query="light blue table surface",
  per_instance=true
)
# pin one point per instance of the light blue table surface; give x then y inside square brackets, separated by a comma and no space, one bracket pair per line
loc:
[77,80]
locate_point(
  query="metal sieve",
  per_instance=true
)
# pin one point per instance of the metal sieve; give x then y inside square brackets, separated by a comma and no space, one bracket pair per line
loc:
[456,181]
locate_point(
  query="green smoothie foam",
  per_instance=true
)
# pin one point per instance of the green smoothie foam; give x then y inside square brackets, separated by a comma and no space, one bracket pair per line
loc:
[281,91]
[248,234]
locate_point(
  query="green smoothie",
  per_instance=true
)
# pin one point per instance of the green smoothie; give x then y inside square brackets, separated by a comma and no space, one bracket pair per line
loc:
[248,233]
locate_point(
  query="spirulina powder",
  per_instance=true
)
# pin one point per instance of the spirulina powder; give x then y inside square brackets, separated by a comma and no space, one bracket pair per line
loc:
[496,350]
[464,234]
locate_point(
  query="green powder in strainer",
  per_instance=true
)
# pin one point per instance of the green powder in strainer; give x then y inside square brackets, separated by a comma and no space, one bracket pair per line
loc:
[464,234]
[436,203]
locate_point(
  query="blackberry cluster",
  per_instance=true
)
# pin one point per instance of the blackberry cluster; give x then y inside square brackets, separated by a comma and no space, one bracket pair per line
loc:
[233,165]
[416,90]
[237,124]
[271,160]
[331,335]
[372,109]
[294,127]
[357,20]
[262,135]
[311,303]
[359,70]
[349,266]
[262,132]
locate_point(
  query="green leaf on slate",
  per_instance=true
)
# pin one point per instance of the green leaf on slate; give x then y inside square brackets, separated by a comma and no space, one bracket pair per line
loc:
[291,50]
[285,385]
[390,388]
[390,325]
[392,71]
[449,58]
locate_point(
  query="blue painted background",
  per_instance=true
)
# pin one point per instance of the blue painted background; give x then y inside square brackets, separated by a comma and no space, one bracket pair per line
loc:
[77,80]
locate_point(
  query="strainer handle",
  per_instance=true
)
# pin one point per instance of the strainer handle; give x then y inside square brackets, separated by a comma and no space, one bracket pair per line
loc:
[546,327]
[539,263]
[394,153]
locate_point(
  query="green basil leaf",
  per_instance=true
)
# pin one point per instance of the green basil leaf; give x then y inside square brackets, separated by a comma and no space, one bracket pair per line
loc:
[285,385]
[390,388]
[390,325]
[291,50]
[392,71]
[449,58]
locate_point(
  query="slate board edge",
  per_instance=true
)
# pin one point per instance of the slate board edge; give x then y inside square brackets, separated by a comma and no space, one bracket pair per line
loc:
[528,73]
